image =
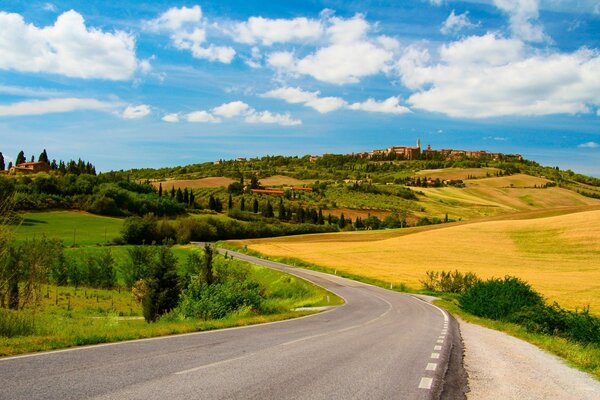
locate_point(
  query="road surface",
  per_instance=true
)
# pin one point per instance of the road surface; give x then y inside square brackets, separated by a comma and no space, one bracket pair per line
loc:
[379,345]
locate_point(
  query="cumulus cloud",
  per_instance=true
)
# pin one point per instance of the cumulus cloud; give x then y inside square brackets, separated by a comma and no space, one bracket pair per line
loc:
[349,54]
[389,106]
[523,15]
[456,23]
[269,31]
[487,76]
[240,109]
[67,48]
[589,145]
[232,109]
[173,118]
[309,99]
[201,116]
[52,106]
[267,117]
[187,30]
[136,112]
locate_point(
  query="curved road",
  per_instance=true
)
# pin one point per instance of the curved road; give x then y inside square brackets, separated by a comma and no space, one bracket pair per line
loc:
[379,345]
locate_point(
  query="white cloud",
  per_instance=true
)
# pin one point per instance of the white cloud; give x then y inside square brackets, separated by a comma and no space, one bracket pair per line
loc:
[201,116]
[136,112]
[589,145]
[456,23]
[42,107]
[232,109]
[389,106]
[309,99]
[269,31]
[173,118]
[267,117]
[67,48]
[436,2]
[523,14]
[187,30]
[175,18]
[28,92]
[349,55]
[486,76]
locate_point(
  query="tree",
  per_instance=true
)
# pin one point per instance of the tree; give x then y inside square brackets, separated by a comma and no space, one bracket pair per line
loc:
[172,192]
[186,196]
[138,264]
[212,204]
[242,203]
[160,189]
[230,202]
[192,198]
[2,165]
[44,157]
[208,264]
[320,219]
[254,184]
[20,158]
[162,285]
[179,196]
[268,210]
[255,206]
[342,221]
[281,213]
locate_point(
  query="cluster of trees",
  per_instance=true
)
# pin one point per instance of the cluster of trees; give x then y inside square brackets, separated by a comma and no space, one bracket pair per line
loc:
[185,196]
[206,228]
[70,167]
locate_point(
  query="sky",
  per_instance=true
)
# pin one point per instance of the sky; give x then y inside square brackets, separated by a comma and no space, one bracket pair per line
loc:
[133,84]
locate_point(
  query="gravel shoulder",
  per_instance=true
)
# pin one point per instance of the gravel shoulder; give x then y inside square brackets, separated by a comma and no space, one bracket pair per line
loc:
[503,367]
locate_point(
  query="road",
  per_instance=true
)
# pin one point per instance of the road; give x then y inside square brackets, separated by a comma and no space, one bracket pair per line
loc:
[379,345]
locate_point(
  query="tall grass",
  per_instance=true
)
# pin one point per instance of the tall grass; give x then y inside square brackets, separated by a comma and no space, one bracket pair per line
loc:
[13,323]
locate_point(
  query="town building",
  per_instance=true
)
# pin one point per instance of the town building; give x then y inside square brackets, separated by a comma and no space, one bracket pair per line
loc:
[30,168]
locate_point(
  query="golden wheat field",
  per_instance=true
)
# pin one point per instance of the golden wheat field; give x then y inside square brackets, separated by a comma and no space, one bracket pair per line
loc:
[458,173]
[558,255]
[282,180]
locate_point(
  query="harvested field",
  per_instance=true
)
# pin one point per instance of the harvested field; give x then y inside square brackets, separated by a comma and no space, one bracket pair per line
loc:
[457,173]
[281,180]
[558,255]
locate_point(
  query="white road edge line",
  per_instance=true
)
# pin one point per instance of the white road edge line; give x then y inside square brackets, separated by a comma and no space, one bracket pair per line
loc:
[435,355]
[187,371]
[437,347]
[425,383]
[431,367]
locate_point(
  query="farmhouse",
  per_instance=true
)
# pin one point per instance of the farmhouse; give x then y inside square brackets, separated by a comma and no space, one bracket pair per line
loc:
[30,168]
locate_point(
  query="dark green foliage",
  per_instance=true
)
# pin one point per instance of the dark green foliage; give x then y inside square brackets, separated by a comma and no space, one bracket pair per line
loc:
[255,206]
[498,298]
[13,324]
[140,230]
[101,271]
[162,285]
[2,165]
[137,265]
[342,221]
[20,158]
[235,188]
[44,157]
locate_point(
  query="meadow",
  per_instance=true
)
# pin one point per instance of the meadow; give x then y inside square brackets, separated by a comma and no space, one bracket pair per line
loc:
[72,227]
[559,255]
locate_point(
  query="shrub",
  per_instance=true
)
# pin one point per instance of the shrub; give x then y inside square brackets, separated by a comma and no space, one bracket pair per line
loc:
[162,285]
[451,282]
[498,298]
[13,323]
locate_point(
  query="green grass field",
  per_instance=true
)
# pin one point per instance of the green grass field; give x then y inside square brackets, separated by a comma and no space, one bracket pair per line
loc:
[72,227]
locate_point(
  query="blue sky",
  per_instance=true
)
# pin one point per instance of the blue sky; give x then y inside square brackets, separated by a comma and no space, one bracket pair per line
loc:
[149,84]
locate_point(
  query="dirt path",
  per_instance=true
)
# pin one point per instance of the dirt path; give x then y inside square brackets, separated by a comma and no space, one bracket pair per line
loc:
[503,367]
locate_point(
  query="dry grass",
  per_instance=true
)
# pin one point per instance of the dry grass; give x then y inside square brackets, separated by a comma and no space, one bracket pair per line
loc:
[457,173]
[282,180]
[559,255]
[213,181]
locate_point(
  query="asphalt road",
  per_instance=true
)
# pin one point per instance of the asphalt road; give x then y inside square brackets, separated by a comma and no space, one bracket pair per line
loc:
[379,345]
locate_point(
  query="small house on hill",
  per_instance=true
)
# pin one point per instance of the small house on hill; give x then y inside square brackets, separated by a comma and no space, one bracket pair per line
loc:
[30,168]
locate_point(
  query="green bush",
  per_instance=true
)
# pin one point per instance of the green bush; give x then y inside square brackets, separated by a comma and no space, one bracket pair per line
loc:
[498,298]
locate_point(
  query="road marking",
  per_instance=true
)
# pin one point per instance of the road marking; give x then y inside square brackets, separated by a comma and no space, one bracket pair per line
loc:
[425,383]
[435,355]
[437,347]
[431,367]
[440,341]
[187,371]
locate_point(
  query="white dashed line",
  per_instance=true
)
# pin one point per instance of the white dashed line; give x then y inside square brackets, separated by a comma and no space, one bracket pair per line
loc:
[437,347]
[435,355]
[440,341]
[425,383]
[431,367]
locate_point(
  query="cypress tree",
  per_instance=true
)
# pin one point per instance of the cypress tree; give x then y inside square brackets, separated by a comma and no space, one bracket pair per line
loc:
[54,165]
[10,165]
[20,158]
[342,221]
[179,196]
[242,203]
[186,196]
[208,264]
[320,219]
[2,166]
[192,198]
[44,157]
[160,189]
[172,191]
[329,218]
[255,206]
[218,205]
[162,285]
[212,204]
[230,202]
[32,158]
[281,212]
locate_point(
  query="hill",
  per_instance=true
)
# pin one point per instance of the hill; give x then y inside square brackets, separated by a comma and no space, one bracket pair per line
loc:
[559,255]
